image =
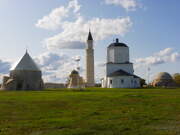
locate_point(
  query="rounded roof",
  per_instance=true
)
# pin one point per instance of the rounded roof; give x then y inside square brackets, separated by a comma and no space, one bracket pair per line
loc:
[26,63]
[74,72]
[117,44]
[163,76]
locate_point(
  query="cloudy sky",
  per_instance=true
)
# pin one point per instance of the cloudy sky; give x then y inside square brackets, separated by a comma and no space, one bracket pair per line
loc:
[55,32]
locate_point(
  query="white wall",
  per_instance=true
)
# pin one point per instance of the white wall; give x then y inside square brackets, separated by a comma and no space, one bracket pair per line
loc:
[104,82]
[110,55]
[121,54]
[118,54]
[89,44]
[128,82]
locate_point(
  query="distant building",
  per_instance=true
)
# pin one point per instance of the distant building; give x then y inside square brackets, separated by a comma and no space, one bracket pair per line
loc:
[119,71]
[90,62]
[25,76]
[75,81]
[163,79]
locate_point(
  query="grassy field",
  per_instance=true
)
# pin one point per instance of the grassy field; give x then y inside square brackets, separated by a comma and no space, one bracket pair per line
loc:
[91,112]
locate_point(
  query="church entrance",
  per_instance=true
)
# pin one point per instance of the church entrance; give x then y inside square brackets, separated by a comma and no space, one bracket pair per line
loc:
[19,86]
[28,87]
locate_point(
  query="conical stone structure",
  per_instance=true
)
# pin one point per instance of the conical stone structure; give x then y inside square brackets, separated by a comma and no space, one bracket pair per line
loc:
[27,63]
[26,75]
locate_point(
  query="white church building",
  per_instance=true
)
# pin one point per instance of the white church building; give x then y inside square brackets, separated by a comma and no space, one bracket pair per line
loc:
[119,71]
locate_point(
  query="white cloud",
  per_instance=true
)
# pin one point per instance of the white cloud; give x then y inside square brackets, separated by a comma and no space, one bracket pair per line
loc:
[100,70]
[164,56]
[74,5]
[75,33]
[56,42]
[165,52]
[55,19]
[74,28]
[101,64]
[175,57]
[5,66]
[129,5]
[56,67]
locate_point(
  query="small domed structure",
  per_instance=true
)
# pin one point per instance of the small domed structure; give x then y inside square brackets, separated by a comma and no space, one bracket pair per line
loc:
[164,75]
[75,80]
[163,79]
[74,72]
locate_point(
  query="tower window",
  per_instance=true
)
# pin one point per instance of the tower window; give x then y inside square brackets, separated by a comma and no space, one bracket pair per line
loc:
[27,87]
[117,40]
[110,81]
[122,81]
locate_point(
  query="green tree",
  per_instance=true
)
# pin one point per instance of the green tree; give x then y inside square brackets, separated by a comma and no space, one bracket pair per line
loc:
[142,82]
[176,78]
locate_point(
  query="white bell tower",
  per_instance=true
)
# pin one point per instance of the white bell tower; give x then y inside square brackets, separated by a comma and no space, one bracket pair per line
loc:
[118,58]
[90,62]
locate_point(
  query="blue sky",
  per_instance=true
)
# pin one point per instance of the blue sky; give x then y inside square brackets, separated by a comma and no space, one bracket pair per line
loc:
[149,27]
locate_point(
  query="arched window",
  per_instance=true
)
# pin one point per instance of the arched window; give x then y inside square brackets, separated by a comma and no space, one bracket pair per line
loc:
[27,87]
[111,81]
[131,81]
[19,86]
[122,81]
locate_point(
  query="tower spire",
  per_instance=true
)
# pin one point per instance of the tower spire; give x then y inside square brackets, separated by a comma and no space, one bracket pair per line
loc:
[26,49]
[90,35]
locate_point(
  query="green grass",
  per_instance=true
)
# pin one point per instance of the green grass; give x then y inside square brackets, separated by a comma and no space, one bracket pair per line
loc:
[93,111]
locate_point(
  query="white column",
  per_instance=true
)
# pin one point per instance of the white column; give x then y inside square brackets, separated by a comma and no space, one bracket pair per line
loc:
[90,64]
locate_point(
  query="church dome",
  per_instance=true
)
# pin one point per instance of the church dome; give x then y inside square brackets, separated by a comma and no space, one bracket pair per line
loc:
[163,79]
[117,44]
[27,64]
[163,76]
